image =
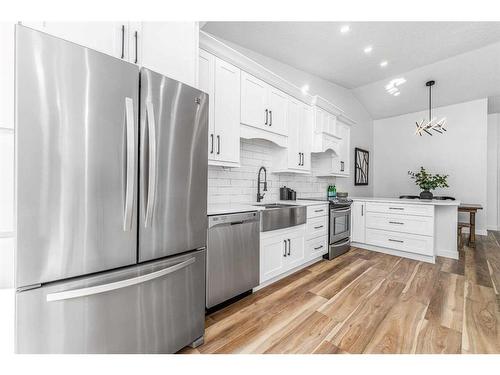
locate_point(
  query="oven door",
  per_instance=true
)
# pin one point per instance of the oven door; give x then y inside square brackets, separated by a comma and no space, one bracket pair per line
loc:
[340,224]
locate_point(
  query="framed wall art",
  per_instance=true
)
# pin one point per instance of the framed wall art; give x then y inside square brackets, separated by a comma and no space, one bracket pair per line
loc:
[361,166]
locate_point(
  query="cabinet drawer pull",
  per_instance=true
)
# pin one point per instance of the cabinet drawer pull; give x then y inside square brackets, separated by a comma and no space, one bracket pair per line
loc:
[270,118]
[319,247]
[218,144]
[285,248]
[289,246]
[399,241]
[267,116]
[136,48]
[319,210]
[320,226]
[212,143]
[396,222]
[396,208]
[123,42]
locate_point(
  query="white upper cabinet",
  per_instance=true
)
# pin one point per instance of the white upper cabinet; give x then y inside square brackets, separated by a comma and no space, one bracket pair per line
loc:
[263,106]
[106,37]
[277,105]
[305,135]
[254,111]
[168,48]
[221,81]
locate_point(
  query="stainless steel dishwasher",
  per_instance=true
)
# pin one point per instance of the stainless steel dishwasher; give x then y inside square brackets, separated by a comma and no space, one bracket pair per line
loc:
[232,256]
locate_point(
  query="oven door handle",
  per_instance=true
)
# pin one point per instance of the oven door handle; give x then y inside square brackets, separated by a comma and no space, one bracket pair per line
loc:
[341,211]
[341,244]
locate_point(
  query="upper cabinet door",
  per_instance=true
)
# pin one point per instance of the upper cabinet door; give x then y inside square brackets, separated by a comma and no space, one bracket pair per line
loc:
[106,37]
[7,75]
[227,111]
[254,110]
[278,102]
[294,151]
[168,48]
[206,83]
[305,135]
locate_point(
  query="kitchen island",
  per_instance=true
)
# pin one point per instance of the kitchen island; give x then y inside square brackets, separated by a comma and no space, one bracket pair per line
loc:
[413,228]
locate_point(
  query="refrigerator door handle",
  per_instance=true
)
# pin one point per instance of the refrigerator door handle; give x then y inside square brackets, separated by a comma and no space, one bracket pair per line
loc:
[83,292]
[129,189]
[152,163]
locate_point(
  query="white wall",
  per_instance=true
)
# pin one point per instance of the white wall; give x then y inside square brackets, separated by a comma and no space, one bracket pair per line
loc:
[461,153]
[493,173]
[361,133]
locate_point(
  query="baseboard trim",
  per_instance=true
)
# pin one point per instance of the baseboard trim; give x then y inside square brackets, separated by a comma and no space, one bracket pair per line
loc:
[479,232]
[287,273]
[399,253]
[447,254]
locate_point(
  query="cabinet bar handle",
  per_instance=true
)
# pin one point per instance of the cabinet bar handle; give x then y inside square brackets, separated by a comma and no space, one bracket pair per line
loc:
[362,210]
[267,116]
[319,247]
[123,42]
[396,208]
[285,248]
[218,144]
[212,143]
[321,226]
[136,48]
[396,222]
[390,239]
[270,118]
[318,210]
[289,246]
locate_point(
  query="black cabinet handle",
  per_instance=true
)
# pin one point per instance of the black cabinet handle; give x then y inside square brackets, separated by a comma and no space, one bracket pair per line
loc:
[300,158]
[342,166]
[318,210]
[267,116]
[218,144]
[318,227]
[270,118]
[362,210]
[396,222]
[212,145]
[285,248]
[390,239]
[136,48]
[319,247]
[123,42]
[289,246]
[396,208]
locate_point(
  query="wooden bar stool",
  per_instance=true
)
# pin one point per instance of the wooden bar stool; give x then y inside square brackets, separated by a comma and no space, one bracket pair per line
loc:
[459,233]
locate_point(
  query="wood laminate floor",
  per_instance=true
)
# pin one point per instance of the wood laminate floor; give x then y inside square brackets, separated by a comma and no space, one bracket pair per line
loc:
[368,302]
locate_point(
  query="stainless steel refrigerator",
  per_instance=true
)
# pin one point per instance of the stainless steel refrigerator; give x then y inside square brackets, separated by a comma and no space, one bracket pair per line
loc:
[111,197]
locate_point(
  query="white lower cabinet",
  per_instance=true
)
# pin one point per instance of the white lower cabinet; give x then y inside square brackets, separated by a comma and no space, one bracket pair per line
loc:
[316,247]
[358,221]
[401,229]
[280,251]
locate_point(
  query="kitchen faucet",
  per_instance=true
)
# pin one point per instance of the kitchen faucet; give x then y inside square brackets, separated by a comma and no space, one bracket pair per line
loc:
[259,196]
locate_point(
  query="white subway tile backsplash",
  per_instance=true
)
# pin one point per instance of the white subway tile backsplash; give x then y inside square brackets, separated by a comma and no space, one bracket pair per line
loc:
[239,185]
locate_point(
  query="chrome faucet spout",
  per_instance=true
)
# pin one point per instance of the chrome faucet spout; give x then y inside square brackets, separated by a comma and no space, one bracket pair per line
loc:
[259,182]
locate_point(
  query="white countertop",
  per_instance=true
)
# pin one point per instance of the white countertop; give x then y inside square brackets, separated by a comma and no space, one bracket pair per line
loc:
[232,208]
[432,202]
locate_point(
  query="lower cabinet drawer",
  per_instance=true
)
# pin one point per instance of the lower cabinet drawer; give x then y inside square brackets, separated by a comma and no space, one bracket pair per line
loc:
[411,243]
[317,227]
[316,247]
[317,210]
[422,225]
[397,208]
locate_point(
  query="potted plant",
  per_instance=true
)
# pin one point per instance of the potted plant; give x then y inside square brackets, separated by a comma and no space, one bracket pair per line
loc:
[427,182]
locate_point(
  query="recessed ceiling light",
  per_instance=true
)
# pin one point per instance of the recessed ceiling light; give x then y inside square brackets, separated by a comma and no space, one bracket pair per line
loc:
[345,29]
[368,49]
[384,63]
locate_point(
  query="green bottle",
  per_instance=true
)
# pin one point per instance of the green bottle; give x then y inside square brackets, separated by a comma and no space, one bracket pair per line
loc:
[334,191]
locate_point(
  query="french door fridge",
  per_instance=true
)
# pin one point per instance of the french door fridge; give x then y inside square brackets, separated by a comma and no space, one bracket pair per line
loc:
[110,203]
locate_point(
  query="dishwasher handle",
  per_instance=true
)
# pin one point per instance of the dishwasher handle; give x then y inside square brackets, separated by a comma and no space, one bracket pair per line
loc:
[233,219]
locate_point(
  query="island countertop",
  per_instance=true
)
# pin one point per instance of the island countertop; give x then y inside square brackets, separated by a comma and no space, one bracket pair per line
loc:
[433,202]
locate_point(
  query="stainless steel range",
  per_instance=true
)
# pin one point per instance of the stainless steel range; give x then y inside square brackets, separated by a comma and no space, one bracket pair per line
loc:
[339,229]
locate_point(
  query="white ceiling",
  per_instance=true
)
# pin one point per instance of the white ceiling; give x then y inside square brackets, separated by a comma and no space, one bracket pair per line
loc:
[319,47]
[462,57]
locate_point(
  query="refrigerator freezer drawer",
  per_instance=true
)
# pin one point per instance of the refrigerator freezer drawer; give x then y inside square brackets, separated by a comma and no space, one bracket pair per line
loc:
[156,307]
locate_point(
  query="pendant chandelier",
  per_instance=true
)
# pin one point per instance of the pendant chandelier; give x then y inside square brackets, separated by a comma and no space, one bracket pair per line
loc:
[432,124]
